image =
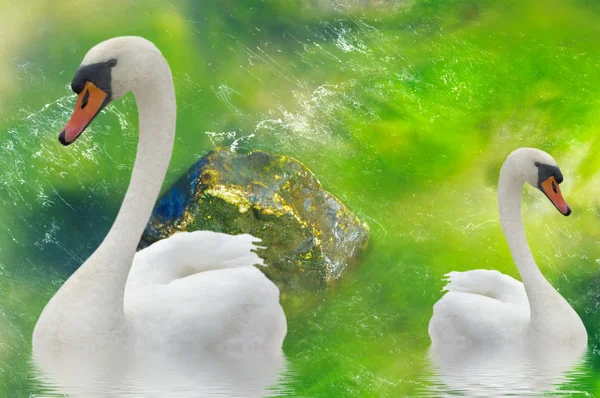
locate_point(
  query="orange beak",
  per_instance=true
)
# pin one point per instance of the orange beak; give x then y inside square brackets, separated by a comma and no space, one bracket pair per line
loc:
[90,102]
[552,190]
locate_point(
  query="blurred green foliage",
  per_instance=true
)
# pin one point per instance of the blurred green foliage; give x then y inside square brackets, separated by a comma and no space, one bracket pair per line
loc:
[405,110]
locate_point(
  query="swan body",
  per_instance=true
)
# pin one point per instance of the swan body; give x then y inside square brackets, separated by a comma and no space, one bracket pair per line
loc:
[203,283]
[192,292]
[489,310]
[481,306]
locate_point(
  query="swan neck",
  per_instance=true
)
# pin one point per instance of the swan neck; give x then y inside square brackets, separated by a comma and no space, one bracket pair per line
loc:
[551,317]
[91,302]
[156,107]
[96,291]
[509,206]
[539,291]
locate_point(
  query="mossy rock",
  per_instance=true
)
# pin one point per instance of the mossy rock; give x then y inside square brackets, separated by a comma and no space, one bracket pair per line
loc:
[311,238]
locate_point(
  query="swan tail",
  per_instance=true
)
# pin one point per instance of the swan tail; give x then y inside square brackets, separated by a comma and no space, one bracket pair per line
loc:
[489,283]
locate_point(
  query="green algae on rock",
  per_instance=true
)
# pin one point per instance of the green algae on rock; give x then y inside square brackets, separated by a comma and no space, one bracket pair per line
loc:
[310,237]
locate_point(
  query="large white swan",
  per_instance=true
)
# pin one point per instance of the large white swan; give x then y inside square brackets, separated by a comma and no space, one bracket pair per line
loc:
[486,309]
[193,292]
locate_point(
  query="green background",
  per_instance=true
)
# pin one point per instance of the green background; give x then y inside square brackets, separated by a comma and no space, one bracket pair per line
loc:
[404,110]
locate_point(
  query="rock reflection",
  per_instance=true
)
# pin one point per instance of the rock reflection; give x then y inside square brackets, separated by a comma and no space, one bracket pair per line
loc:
[244,374]
[481,372]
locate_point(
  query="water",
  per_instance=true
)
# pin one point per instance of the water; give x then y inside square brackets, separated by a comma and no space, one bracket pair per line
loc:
[478,372]
[153,375]
[404,110]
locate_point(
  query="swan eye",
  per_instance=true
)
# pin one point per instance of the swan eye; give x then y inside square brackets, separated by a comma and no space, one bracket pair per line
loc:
[112,62]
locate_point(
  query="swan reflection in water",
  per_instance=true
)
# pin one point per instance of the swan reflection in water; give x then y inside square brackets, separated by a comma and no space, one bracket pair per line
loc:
[189,375]
[479,372]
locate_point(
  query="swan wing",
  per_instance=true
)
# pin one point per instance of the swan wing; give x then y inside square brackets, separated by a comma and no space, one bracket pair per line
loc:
[200,290]
[187,253]
[480,307]
[229,309]
[488,283]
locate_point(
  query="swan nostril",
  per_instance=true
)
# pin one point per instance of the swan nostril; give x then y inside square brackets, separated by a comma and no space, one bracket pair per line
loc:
[85,99]
[554,187]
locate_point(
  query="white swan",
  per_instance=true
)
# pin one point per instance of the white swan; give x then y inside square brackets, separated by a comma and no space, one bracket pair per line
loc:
[487,309]
[190,293]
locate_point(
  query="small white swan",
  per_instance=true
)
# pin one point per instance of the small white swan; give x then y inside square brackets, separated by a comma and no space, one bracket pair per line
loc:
[193,292]
[487,309]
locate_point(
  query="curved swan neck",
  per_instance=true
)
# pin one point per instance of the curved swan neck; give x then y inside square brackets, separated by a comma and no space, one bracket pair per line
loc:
[90,303]
[510,189]
[539,292]
[552,319]
[155,98]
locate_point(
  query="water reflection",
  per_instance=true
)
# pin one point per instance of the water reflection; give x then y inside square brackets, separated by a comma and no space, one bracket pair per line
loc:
[188,375]
[477,372]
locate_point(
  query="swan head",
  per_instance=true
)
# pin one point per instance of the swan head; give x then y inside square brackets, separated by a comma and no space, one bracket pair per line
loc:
[540,170]
[109,70]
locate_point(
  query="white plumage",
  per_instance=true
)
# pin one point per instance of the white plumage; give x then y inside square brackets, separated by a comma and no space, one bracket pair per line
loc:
[490,310]
[493,335]
[193,303]
[480,307]
[200,289]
